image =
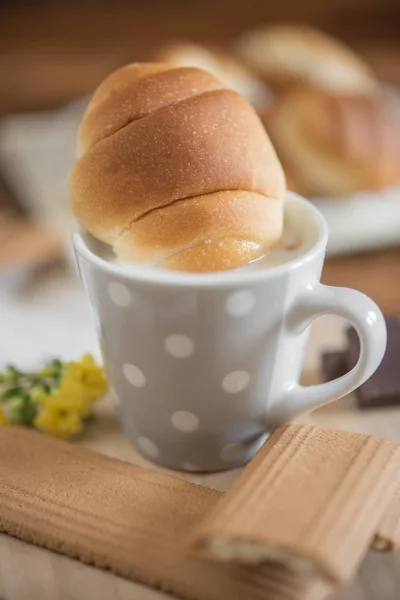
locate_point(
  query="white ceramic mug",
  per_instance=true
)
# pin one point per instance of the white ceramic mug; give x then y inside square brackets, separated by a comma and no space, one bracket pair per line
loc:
[204,366]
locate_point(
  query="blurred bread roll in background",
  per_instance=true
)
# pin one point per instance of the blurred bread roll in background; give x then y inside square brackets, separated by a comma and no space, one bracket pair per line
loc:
[176,170]
[334,145]
[233,74]
[287,55]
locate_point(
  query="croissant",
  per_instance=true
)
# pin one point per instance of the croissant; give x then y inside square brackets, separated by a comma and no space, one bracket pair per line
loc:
[176,171]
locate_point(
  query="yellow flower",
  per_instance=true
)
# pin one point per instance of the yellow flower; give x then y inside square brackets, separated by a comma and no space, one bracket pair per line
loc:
[88,375]
[61,413]
[59,422]
[3,418]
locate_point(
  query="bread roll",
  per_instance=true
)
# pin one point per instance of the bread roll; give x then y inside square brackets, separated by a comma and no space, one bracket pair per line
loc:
[232,74]
[336,144]
[287,55]
[177,171]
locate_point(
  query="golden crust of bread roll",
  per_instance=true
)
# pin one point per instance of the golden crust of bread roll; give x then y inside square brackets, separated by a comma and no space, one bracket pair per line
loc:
[183,163]
[336,145]
[207,143]
[139,95]
[207,221]
[233,74]
[287,55]
[221,255]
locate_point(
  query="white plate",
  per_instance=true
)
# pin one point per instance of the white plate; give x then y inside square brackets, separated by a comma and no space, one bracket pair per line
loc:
[363,221]
[37,151]
[366,220]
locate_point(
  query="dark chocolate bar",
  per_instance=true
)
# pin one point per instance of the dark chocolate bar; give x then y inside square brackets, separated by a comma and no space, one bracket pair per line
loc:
[383,388]
[333,365]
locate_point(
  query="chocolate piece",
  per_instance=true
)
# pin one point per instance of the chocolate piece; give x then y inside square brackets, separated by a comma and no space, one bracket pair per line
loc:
[129,520]
[312,500]
[334,365]
[383,388]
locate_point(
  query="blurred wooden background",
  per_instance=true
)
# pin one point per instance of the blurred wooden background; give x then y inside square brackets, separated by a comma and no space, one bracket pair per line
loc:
[52,51]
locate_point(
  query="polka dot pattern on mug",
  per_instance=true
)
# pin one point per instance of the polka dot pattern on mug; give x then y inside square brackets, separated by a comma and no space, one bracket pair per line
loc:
[232,451]
[179,345]
[235,382]
[240,303]
[148,447]
[184,420]
[119,294]
[134,375]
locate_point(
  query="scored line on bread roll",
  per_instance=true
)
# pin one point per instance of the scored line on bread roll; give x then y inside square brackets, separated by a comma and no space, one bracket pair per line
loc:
[139,96]
[174,136]
[203,220]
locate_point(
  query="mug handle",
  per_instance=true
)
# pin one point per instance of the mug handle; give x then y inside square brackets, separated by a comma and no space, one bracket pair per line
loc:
[367,319]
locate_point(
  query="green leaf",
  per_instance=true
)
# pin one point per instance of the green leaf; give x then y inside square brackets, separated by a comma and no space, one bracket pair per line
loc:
[36,393]
[33,378]
[21,410]
[56,364]
[53,369]
[29,412]
[11,373]
[15,410]
[10,393]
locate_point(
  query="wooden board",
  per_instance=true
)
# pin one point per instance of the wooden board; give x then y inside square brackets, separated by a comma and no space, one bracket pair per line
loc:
[30,573]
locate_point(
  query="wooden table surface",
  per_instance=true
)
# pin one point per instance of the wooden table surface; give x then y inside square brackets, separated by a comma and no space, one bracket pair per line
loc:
[30,573]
